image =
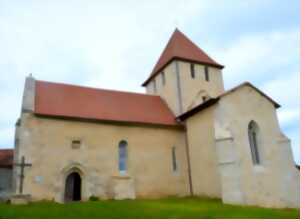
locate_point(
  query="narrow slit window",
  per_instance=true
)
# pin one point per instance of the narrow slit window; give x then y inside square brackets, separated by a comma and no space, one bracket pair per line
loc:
[206,72]
[76,144]
[174,159]
[154,86]
[163,78]
[123,156]
[192,66]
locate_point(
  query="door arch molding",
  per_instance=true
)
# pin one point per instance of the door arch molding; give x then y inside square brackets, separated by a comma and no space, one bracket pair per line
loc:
[73,187]
[65,172]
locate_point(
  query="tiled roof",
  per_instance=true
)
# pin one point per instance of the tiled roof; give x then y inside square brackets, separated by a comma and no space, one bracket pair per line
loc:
[182,48]
[70,101]
[6,158]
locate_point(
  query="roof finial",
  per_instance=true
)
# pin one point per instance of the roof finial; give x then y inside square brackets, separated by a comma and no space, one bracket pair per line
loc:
[176,24]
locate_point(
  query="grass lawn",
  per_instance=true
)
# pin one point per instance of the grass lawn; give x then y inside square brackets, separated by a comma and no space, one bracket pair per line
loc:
[195,208]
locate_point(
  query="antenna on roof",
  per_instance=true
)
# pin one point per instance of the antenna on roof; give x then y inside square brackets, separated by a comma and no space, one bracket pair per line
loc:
[30,75]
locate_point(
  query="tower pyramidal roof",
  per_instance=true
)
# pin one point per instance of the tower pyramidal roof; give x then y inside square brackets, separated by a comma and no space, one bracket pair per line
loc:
[182,48]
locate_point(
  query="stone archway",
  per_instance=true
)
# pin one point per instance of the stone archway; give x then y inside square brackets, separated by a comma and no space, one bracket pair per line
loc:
[80,170]
[73,187]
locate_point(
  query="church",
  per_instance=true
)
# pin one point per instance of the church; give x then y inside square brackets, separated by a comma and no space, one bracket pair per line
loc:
[186,136]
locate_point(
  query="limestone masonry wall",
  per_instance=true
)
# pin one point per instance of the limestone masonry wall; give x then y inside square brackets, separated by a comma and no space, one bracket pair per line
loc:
[203,157]
[46,143]
[246,183]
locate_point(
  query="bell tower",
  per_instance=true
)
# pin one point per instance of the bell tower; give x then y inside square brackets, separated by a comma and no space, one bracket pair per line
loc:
[184,75]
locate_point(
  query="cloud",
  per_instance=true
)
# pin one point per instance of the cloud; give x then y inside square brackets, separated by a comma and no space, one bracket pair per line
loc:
[285,88]
[7,135]
[102,44]
[115,45]
[270,60]
[289,116]
[260,57]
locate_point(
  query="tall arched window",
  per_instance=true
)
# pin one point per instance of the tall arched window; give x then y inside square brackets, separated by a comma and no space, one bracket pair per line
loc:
[253,134]
[123,156]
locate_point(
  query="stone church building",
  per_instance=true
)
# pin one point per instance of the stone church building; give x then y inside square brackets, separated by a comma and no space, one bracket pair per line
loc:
[185,136]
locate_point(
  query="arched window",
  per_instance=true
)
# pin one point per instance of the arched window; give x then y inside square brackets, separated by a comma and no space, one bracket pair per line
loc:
[253,134]
[123,156]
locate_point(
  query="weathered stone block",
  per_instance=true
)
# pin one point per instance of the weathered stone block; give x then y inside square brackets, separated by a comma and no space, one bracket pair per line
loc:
[20,199]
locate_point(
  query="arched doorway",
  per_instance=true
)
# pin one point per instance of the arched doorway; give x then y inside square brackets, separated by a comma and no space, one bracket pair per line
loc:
[73,187]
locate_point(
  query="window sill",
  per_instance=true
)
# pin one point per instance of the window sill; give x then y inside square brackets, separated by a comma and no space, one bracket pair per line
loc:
[121,176]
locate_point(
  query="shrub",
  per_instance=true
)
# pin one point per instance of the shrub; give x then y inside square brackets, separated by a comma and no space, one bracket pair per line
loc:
[93,198]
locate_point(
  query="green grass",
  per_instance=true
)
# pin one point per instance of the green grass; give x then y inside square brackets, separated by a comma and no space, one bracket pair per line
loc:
[175,208]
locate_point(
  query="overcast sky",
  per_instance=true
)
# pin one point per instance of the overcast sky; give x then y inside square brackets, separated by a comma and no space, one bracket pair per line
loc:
[114,44]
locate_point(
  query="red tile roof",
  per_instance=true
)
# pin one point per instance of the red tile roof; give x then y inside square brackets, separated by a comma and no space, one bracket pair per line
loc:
[6,158]
[69,101]
[182,48]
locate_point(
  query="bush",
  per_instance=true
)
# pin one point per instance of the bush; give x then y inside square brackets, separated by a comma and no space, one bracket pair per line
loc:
[93,198]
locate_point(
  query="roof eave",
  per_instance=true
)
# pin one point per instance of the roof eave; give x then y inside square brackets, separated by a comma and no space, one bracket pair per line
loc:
[212,101]
[120,122]
[8,166]
[276,105]
[153,74]
[197,109]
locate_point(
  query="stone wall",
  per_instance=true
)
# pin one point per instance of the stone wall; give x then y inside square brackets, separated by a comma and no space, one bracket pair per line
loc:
[181,91]
[169,90]
[5,182]
[193,88]
[246,183]
[46,143]
[203,156]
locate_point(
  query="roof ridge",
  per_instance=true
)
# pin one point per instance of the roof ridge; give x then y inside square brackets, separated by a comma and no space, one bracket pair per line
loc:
[95,88]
